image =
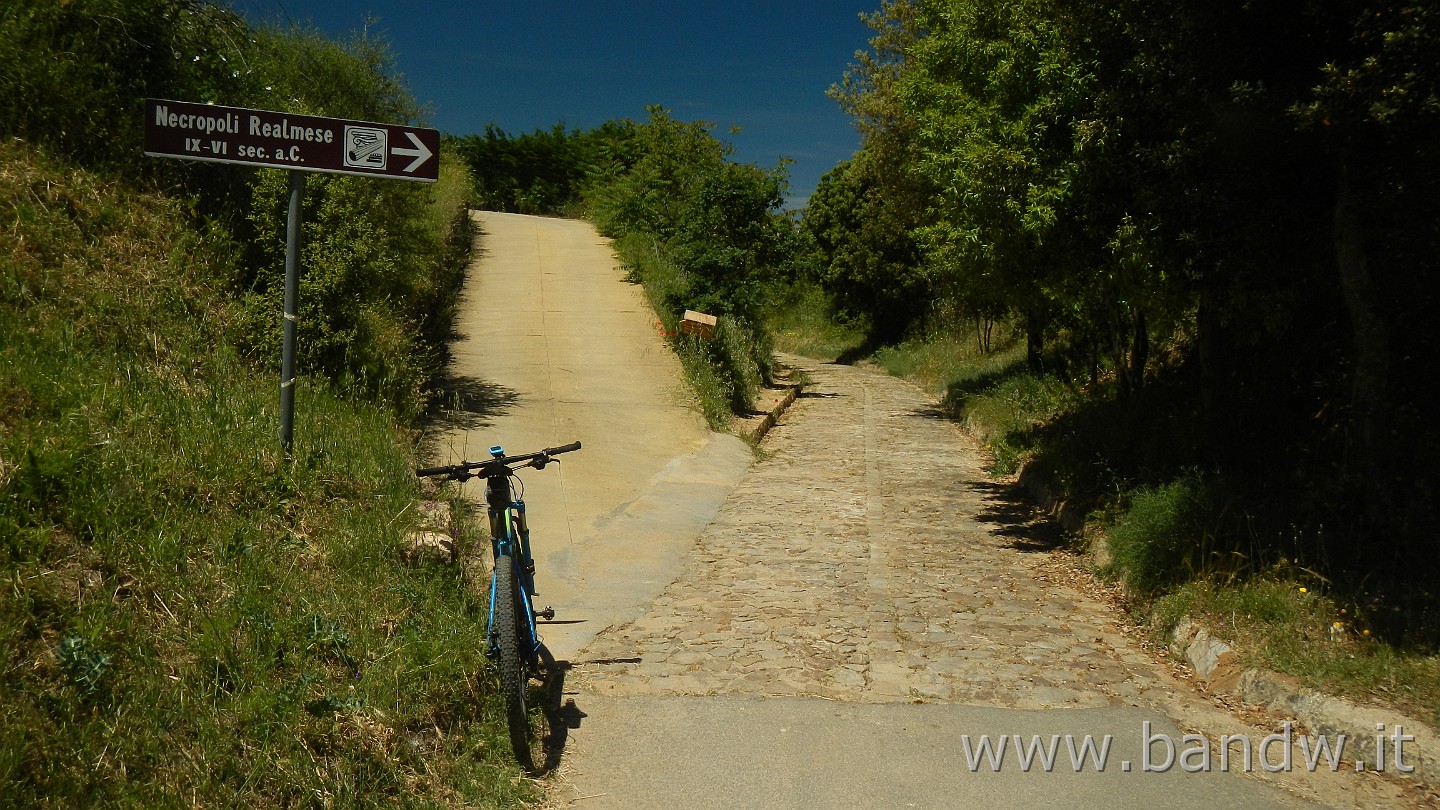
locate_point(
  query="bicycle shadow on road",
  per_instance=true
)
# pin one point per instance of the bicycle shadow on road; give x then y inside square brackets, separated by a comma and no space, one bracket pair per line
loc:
[1017,518]
[562,714]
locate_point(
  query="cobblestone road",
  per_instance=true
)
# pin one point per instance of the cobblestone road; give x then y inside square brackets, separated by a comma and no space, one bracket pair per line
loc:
[869,558]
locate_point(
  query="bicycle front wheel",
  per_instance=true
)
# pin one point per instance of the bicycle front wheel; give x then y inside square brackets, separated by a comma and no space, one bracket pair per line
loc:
[524,677]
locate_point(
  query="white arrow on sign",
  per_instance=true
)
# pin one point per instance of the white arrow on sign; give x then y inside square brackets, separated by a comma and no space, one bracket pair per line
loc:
[420,153]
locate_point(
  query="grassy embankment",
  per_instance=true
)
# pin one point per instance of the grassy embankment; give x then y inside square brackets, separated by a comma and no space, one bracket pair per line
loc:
[1156,539]
[187,618]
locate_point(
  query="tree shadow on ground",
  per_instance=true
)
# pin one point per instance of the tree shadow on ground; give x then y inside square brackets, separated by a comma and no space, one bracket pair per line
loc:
[462,402]
[1018,519]
[932,412]
[850,357]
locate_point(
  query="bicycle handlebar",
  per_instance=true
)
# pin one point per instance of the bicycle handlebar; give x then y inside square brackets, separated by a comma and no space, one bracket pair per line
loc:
[502,465]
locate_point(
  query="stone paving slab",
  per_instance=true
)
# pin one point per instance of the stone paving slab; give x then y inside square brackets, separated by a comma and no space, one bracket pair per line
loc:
[869,558]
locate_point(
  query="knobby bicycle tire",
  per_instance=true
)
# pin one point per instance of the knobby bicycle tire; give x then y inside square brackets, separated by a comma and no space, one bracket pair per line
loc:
[526,711]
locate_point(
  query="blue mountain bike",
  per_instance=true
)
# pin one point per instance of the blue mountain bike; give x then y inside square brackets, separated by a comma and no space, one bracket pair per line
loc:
[528,673]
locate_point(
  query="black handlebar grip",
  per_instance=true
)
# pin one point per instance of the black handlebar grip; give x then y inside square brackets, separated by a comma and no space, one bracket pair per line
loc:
[428,471]
[565,449]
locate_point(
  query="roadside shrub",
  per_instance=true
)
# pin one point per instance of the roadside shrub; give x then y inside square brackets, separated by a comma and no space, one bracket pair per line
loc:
[1006,409]
[369,286]
[73,74]
[538,173]
[1165,535]
[379,271]
[700,233]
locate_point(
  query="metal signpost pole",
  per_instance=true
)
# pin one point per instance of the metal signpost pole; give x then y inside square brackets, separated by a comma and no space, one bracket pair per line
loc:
[300,144]
[292,305]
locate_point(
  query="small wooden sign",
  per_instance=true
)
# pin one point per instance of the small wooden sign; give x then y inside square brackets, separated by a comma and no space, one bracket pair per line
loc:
[698,323]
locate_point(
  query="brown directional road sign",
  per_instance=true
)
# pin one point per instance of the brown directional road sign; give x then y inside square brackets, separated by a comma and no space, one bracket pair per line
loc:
[208,132]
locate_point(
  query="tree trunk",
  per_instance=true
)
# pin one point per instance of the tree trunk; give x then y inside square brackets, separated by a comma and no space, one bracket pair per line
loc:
[1207,340]
[1139,352]
[1371,357]
[1034,342]
[1094,360]
[1117,354]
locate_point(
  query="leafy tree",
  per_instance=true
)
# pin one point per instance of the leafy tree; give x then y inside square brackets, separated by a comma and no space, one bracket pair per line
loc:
[1376,110]
[540,173]
[868,257]
[864,213]
[997,92]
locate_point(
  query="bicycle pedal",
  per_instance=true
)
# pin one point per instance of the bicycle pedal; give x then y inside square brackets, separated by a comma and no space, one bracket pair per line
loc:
[547,614]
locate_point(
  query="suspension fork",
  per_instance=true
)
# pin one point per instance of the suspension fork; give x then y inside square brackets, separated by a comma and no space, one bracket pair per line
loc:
[511,535]
[522,531]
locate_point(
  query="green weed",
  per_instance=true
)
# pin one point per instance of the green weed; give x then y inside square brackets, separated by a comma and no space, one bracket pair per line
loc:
[947,360]
[1293,625]
[802,321]
[1163,537]
[724,371]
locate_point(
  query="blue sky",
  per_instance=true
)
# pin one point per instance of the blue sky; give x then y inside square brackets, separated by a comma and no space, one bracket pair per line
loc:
[529,64]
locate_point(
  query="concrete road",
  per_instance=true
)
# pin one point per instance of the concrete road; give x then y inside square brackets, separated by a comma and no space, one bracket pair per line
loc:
[556,347]
[729,751]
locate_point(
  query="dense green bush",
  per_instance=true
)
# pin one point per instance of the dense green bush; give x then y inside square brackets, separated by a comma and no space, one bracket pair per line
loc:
[374,281]
[378,273]
[377,277]
[1165,536]
[72,74]
[538,173]
[701,233]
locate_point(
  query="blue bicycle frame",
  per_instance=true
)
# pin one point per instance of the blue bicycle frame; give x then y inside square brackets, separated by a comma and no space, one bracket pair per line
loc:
[510,537]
